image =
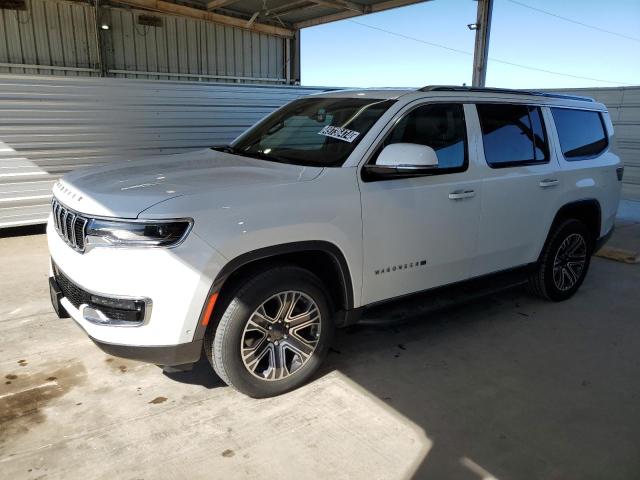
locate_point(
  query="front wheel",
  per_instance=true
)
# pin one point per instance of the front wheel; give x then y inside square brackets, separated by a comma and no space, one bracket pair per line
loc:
[273,334]
[564,262]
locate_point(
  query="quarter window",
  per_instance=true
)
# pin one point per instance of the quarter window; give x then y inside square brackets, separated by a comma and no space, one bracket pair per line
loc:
[440,126]
[581,133]
[512,135]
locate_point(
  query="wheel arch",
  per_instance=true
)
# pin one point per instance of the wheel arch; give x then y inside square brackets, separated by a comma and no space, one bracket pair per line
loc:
[322,258]
[587,211]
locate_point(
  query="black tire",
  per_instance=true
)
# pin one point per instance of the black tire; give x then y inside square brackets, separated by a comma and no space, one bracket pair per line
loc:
[541,279]
[223,345]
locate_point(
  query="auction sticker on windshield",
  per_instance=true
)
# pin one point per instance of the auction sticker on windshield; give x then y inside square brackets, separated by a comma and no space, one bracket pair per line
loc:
[340,133]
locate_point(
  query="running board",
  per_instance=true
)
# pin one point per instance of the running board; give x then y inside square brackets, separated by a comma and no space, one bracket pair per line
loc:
[415,305]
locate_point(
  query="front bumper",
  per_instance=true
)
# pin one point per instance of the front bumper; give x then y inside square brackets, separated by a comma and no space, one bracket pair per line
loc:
[170,355]
[175,281]
[165,355]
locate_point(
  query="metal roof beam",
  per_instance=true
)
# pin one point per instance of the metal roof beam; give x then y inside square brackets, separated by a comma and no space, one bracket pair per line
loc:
[184,11]
[288,8]
[219,4]
[342,5]
[379,7]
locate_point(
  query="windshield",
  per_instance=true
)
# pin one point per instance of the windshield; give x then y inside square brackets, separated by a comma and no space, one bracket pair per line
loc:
[312,131]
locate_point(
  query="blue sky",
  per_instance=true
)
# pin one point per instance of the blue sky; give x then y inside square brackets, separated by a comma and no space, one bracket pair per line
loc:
[348,54]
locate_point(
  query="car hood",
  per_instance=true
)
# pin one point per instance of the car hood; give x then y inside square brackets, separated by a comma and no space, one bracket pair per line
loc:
[126,189]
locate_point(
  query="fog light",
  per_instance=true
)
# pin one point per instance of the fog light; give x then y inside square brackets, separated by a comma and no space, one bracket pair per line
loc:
[119,303]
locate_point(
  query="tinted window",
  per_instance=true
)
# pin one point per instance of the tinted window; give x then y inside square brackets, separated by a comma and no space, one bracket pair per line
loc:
[512,135]
[581,133]
[439,126]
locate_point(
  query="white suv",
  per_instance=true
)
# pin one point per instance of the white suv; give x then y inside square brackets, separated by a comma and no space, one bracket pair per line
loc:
[333,204]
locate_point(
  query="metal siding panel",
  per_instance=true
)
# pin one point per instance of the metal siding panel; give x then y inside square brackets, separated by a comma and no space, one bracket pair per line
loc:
[41,38]
[151,49]
[81,41]
[115,35]
[68,40]
[255,54]
[27,39]
[220,51]
[12,35]
[140,33]
[54,33]
[172,45]
[193,46]
[128,43]
[4,50]
[50,125]
[229,45]
[92,40]
[204,47]
[160,54]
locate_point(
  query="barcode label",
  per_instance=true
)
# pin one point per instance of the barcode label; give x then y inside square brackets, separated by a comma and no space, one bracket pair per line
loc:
[343,134]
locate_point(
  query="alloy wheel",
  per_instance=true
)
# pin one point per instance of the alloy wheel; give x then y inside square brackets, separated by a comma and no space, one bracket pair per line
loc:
[569,262]
[281,335]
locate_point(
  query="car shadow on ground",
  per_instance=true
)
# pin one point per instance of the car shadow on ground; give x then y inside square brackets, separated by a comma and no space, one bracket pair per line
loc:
[513,385]
[521,387]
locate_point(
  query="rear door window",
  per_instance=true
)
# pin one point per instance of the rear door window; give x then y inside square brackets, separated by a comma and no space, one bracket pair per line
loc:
[512,135]
[581,132]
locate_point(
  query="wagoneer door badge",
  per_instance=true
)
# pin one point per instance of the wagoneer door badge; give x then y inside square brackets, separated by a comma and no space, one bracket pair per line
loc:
[402,266]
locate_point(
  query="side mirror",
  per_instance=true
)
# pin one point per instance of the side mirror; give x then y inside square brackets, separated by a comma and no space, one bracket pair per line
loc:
[403,160]
[408,155]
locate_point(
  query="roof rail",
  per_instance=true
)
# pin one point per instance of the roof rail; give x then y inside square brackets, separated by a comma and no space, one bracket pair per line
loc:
[455,88]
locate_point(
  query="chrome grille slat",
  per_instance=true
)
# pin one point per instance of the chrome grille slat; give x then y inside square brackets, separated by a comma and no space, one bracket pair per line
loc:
[66,222]
[63,224]
[70,228]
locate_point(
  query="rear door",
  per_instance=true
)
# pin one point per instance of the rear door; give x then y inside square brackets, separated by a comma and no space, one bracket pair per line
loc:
[521,185]
[420,232]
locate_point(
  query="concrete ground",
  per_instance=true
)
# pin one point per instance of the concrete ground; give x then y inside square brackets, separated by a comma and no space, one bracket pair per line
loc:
[508,387]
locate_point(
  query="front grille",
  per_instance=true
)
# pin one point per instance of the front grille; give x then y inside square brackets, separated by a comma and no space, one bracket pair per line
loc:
[76,295]
[134,313]
[69,224]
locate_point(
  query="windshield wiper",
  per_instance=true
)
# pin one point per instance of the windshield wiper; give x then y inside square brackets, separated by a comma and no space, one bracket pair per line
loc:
[227,149]
[252,154]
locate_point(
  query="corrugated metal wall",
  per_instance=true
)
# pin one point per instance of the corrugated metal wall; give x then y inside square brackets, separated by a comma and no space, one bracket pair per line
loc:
[623,104]
[63,36]
[187,46]
[50,125]
[58,34]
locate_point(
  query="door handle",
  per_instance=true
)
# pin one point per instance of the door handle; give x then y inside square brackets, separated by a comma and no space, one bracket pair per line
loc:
[460,194]
[549,182]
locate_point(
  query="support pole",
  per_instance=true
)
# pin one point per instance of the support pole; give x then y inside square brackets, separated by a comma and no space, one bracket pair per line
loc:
[481,51]
[294,59]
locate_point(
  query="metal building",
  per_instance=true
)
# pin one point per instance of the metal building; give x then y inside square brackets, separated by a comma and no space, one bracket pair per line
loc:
[220,40]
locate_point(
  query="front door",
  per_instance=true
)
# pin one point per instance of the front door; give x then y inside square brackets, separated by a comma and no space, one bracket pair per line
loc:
[420,232]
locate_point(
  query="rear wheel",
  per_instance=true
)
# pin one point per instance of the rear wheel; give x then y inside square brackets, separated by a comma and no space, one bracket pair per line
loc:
[273,334]
[564,262]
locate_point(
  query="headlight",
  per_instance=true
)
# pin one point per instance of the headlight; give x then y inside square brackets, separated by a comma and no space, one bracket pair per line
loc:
[136,233]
